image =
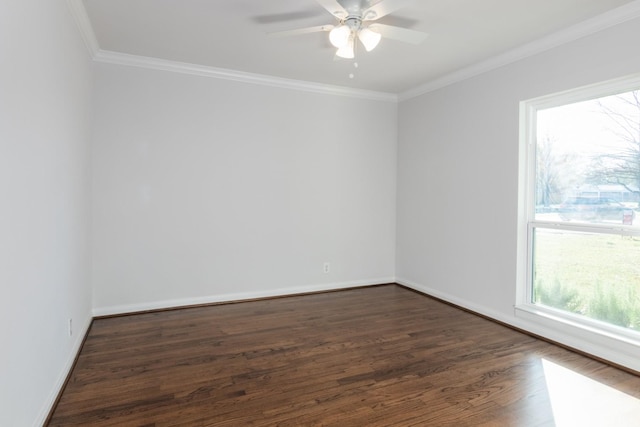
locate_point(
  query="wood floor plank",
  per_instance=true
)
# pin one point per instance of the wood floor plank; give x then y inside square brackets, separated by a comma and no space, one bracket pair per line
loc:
[364,357]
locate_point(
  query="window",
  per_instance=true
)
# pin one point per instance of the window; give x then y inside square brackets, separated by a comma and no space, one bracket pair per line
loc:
[580,220]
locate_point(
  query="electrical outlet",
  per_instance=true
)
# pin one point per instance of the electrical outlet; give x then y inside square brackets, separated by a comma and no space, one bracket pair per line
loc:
[70,327]
[327,267]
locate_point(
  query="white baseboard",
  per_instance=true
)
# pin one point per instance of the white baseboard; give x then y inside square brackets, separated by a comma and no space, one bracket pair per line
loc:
[455,300]
[220,298]
[615,351]
[64,372]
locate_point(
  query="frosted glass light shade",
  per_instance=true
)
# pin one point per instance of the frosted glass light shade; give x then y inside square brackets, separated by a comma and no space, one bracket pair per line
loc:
[369,39]
[347,51]
[339,36]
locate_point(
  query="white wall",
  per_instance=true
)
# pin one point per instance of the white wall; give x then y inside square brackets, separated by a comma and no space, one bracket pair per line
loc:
[458,169]
[45,85]
[209,190]
[206,190]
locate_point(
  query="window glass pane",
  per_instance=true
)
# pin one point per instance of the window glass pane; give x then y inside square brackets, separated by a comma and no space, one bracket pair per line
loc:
[590,274]
[588,161]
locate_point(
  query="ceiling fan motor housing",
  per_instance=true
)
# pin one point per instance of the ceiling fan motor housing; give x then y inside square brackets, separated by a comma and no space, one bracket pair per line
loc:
[353,22]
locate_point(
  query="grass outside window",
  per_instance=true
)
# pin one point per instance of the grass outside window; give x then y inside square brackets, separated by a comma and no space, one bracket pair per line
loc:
[590,274]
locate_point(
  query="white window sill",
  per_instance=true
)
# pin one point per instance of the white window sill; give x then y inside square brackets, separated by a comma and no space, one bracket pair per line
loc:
[615,344]
[561,318]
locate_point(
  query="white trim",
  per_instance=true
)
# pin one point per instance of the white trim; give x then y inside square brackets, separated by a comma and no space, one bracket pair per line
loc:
[221,298]
[575,335]
[565,333]
[79,13]
[602,340]
[601,22]
[583,93]
[526,175]
[238,76]
[523,264]
[594,327]
[455,300]
[64,373]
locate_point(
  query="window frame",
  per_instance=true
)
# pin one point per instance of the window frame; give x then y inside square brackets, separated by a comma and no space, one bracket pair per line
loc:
[548,317]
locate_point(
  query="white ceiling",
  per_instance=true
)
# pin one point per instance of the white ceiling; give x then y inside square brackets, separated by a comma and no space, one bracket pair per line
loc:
[232,34]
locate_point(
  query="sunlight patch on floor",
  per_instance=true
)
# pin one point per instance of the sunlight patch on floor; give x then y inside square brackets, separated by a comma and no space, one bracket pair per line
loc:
[577,400]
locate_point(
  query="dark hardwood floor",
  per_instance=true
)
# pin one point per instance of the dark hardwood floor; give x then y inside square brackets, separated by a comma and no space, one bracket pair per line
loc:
[378,356]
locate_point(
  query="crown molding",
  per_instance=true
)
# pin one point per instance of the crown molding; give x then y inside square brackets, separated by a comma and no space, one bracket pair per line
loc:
[601,22]
[591,26]
[79,13]
[238,76]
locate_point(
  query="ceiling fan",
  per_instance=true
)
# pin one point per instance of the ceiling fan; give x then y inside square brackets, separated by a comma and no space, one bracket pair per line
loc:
[356,20]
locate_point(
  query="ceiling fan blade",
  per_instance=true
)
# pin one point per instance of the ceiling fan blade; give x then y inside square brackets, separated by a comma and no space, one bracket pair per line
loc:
[383,8]
[334,8]
[287,33]
[398,33]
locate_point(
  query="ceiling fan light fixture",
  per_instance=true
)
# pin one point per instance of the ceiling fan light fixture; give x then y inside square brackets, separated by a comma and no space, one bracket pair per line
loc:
[339,36]
[347,51]
[369,39]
